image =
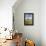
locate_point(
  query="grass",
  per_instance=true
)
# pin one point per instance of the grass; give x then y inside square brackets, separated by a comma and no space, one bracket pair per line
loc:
[28,21]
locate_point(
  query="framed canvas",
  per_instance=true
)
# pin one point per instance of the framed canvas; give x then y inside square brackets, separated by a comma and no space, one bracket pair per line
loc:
[28,18]
[13,22]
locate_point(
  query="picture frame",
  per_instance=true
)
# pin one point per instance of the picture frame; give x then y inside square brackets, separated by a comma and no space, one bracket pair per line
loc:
[28,18]
[13,22]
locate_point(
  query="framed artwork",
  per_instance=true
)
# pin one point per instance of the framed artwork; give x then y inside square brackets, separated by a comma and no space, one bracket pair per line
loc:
[13,22]
[28,18]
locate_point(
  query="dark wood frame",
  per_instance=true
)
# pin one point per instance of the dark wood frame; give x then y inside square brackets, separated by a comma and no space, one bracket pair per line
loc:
[32,18]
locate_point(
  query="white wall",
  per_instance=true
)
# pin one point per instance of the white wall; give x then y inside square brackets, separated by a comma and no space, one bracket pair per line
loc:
[6,13]
[43,22]
[31,32]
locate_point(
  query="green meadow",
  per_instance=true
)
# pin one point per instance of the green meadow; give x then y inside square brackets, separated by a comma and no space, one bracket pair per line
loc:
[28,21]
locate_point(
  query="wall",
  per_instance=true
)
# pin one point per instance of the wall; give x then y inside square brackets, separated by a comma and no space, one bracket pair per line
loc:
[43,22]
[29,32]
[6,13]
